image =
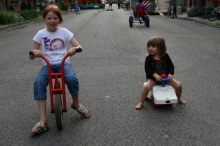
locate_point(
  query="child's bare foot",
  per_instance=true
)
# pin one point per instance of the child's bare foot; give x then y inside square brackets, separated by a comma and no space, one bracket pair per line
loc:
[139,106]
[182,101]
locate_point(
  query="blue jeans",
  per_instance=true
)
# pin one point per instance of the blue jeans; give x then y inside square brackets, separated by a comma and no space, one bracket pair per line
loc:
[41,81]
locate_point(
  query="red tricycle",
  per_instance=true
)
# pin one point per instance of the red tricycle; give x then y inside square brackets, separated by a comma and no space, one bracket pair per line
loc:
[57,89]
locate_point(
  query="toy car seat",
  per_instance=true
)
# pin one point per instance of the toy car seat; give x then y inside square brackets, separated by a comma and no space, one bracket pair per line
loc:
[140,13]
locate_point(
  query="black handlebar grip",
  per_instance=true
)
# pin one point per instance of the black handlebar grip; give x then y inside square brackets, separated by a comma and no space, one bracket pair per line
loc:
[78,50]
[31,53]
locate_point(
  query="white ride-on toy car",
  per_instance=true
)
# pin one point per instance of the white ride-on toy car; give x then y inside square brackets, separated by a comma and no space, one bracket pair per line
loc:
[162,94]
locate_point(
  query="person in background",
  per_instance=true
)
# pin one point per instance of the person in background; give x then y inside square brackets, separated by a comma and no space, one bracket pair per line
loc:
[119,4]
[103,5]
[174,2]
[110,4]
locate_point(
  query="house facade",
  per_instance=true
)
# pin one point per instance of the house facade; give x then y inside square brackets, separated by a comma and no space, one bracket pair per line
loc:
[199,3]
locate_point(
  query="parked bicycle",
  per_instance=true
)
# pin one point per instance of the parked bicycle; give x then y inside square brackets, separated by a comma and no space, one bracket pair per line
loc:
[215,14]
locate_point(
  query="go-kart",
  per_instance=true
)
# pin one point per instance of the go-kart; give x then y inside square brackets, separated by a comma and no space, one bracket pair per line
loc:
[162,94]
[140,17]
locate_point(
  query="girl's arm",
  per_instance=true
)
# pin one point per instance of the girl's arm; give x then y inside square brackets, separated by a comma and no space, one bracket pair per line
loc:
[35,50]
[148,70]
[170,65]
[75,45]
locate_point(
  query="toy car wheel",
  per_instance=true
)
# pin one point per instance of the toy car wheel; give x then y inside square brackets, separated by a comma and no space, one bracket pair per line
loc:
[131,21]
[152,102]
[147,22]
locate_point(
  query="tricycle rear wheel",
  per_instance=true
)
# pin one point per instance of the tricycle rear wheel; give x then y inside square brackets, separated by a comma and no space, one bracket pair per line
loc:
[58,111]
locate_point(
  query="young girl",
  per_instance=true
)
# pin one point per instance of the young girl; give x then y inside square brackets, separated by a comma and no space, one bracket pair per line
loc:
[53,40]
[158,62]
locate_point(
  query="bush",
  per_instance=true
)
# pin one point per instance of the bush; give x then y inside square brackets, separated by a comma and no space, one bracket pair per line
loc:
[196,12]
[63,6]
[17,18]
[6,17]
[59,5]
[193,12]
[29,14]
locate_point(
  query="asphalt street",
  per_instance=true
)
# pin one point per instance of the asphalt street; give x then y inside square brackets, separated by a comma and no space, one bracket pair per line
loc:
[111,75]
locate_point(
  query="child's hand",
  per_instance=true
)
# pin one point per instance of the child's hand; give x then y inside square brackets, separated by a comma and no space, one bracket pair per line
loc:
[157,77]
[72,50]
[170,76]
[37,53]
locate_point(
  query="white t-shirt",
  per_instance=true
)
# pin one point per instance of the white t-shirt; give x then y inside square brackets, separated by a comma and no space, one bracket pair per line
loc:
[103,1]
[54,44]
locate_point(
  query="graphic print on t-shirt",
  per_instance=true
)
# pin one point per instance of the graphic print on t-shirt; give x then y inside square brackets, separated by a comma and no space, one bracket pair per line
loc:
[54,45]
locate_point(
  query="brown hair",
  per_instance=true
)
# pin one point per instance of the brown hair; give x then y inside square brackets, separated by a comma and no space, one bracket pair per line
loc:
[55,9]
[159,42]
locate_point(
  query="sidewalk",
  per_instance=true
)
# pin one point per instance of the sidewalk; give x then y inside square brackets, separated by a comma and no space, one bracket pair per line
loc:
[200,20]
[181,16]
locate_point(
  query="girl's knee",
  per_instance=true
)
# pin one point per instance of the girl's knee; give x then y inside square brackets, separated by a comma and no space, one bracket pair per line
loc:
[178,85]
[40,82]
[71,79]
[147,86]
[72,84]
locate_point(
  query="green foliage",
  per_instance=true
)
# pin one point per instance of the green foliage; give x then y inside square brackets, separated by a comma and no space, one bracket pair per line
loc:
[63,6]
[193,12]
[29,14]
[217,24]
[59,5]
[196,12]
[6,17]
[17,18]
